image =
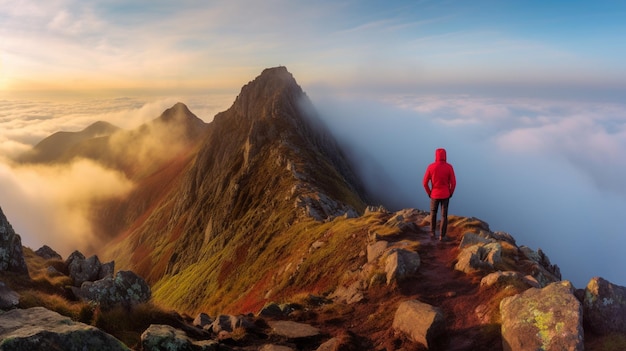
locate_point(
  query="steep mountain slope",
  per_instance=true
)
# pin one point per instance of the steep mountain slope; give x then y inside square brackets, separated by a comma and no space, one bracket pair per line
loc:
[265,166]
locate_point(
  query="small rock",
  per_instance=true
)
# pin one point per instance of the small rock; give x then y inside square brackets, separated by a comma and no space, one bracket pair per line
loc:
[47,253]
[201,320]
[293,330]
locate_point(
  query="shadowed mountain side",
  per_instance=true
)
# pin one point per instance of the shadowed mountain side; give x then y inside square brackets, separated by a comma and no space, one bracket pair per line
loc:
[266,164]
[54,148]
[138,152]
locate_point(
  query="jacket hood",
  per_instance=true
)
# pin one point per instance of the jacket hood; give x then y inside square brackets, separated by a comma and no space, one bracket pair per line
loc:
[440,155]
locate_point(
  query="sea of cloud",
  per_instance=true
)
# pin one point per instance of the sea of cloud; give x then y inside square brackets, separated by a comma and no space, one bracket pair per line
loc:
[50,204]
[550,172]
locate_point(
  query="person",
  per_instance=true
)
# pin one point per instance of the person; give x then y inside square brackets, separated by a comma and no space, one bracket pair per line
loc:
[439,183]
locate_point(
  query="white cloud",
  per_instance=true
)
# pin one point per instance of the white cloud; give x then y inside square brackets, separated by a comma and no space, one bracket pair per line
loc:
[550,172]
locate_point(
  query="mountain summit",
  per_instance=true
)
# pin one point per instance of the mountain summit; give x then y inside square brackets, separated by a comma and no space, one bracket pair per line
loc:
[264,164]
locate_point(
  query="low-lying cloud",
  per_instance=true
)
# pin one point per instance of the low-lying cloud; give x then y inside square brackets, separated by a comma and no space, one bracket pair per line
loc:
[551,173]
[51,204]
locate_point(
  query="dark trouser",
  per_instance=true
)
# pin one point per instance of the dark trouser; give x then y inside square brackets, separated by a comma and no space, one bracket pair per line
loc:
[434,206]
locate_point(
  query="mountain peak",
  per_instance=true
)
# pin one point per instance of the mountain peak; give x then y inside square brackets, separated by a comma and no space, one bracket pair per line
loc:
[262,94]
[179,116]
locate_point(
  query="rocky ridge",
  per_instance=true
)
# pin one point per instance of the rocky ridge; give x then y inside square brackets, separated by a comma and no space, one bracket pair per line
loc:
[497,302]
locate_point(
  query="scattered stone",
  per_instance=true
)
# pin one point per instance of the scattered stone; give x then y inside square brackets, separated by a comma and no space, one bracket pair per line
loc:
[228,323]
[272,347]
[504,236]
[422,322]
[202,320]
[331,344]
[605,306]
[9,299]
[272,309]
[106,270]
[293,330]
[316,246]
[48,253]
[470,239]
[40,329]
[401,264]
[164,337]
[53,272]
[11,255]
[543,319]
[126,289]
[545,272]
[479,258]
[375,250]
[83,269]
[350,294]
[504,278]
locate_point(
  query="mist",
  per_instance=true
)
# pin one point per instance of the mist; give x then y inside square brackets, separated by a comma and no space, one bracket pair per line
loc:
[551,173]
[51,204]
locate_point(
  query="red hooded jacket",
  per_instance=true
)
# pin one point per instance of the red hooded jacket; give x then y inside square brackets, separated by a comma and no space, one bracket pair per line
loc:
[441,175]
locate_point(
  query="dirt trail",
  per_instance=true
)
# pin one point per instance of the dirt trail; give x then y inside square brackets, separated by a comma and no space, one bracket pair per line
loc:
[455,293]
[436,283]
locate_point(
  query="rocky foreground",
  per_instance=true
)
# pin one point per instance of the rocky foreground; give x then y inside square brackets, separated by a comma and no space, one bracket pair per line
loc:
[479,291]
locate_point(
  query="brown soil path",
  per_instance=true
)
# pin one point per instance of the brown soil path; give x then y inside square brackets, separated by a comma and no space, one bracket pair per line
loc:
[436,283]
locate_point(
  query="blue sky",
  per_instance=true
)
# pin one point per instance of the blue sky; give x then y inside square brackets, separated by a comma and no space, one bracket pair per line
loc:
[529,97]
[143,46]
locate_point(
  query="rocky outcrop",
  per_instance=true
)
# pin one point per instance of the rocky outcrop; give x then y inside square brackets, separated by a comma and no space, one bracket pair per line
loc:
[543,270]
[543,319]
[11,255]
[164,337]
[9,299]
[604,307]
[229,323]
[422,322]
[90,269]
[40,329]
[48,253]
[126,289]
[508,278]
[481,257]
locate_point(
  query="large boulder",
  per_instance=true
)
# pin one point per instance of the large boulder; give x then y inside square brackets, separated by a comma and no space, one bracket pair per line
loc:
[38,328]
[125,289]
[90,269]
[422,322]
[604,306]
[400,264]
[164,337]
[543,319]
[11,255]
[9,299]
